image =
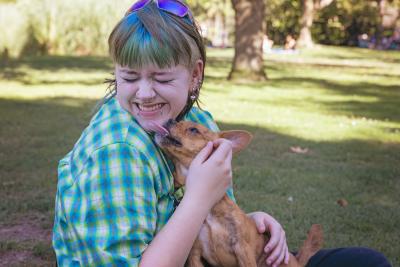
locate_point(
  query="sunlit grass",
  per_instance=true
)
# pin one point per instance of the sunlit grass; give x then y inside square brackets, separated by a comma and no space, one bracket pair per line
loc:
[314,100]
[342,104]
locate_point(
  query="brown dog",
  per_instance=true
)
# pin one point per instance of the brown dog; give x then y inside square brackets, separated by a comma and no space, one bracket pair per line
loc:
[228,237]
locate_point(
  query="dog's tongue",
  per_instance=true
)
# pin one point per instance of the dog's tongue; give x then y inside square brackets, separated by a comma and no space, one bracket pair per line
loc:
[157,128]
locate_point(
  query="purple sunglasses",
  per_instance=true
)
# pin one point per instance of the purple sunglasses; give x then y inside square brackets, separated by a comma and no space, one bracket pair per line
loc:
[171,6]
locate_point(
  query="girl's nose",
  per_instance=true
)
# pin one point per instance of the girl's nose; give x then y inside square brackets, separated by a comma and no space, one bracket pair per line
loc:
[145,91]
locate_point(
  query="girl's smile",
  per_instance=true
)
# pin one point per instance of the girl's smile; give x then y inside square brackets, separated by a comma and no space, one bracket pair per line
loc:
[149,110]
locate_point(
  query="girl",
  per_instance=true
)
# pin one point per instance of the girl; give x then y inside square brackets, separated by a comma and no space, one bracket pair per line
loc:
[115,194]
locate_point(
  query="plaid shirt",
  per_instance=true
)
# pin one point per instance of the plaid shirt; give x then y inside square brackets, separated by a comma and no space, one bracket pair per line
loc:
[115,191]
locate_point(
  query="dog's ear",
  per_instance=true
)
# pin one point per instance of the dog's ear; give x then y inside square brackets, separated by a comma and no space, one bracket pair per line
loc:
[239,139]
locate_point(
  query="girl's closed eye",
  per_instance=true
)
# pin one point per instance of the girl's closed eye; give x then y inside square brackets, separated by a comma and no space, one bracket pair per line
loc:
[164,81]
[130,80]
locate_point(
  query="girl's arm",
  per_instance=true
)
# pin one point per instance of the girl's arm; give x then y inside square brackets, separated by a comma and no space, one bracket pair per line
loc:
[171,246]
[207,181]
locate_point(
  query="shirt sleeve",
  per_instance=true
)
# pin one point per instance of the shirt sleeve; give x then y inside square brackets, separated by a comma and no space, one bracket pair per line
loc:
[115,208]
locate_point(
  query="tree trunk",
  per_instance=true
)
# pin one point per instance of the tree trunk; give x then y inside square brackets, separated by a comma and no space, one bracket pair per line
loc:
[248,60]
[380,28]
[305,39]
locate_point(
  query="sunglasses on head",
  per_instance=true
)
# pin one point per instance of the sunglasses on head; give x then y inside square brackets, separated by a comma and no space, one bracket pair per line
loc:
[171,6]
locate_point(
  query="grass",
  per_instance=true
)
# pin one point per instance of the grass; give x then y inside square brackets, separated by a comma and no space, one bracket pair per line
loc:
[342,104]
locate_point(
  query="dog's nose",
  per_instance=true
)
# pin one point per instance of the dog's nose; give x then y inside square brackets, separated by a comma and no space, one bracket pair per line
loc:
[169,123]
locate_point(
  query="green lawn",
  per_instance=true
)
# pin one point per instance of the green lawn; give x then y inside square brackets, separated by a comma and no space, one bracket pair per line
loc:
[342,104]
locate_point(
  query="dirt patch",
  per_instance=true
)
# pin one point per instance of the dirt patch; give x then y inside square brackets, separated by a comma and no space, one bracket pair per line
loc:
[26,241]
[13,257]
[21,258]
[24,231]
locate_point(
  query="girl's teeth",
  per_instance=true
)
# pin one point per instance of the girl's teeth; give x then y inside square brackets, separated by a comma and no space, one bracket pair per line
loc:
[149,108]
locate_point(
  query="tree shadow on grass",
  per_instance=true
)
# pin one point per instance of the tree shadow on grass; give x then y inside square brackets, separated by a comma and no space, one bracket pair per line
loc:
[302,189]
[34,136]
[298,189]
[383,104]
[355,99]
[79,63]
[15,68]
[83,81]
[316,64]
[387,58]
[355,53]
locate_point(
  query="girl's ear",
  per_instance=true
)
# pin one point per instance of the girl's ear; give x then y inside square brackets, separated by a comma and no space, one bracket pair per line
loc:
[197,73]
[240,139]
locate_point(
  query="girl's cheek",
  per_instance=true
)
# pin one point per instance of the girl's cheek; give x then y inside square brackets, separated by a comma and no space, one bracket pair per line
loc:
[124,91]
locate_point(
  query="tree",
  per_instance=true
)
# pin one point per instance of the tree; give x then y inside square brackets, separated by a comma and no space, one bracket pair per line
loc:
[388,15]
[216,19]
[217,12]
[282,18]
[306,21]
[305,39]
[248,59]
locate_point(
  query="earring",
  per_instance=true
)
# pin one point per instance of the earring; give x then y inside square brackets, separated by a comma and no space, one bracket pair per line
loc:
[195,91]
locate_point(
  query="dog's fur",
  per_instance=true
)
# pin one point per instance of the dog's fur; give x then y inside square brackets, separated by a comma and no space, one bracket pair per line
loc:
[228,237]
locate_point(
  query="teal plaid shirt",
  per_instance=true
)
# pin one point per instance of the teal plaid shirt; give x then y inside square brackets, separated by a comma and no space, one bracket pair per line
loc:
[115,191]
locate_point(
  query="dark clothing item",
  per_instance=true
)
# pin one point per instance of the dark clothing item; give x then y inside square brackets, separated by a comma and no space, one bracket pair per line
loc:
[348,257]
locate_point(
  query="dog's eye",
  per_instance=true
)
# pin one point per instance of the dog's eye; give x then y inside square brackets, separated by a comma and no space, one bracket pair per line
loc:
[194,130]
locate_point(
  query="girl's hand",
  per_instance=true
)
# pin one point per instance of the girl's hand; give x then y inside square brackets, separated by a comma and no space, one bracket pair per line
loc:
[210,173]
[276,246]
